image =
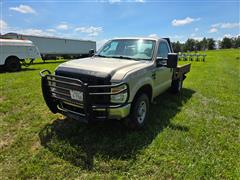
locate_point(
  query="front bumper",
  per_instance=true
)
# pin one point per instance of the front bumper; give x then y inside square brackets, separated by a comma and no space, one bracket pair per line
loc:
[109,113]
[119,113]
[56,93]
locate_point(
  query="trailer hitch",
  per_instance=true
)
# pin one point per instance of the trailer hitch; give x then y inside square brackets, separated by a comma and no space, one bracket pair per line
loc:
[24,63]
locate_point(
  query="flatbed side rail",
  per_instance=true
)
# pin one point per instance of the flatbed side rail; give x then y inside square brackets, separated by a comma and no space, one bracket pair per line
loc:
[181,70]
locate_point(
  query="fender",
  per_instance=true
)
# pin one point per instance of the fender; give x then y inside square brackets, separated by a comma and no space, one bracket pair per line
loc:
[137,82]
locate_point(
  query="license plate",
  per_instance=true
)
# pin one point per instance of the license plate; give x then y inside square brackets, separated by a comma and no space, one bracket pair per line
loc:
[76,95]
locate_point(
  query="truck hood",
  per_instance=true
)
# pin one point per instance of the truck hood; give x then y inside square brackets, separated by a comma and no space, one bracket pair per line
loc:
[97,66]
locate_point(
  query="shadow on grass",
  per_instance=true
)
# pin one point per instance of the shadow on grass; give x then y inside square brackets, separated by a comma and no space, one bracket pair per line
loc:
[2,70]
[79,143]
[49,62]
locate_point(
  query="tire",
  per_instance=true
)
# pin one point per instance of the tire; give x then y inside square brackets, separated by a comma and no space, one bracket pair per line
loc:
[139,112]
[177,85]
[13,64]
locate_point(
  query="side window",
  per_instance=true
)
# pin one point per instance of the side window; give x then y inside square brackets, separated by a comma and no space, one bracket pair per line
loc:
[163,50]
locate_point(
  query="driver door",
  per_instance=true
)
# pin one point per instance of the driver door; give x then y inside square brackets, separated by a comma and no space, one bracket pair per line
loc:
[163,74]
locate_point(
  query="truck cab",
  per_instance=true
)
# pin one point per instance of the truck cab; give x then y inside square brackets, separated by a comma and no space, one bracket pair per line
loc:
[118,82]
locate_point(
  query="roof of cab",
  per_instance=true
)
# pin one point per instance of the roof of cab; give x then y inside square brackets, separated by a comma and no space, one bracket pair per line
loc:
[143,38]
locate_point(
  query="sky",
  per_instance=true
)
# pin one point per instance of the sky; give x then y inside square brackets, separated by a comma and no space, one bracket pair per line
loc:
[101,20]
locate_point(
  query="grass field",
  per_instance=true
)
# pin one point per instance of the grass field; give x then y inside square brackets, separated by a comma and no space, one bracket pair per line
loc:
[193,135]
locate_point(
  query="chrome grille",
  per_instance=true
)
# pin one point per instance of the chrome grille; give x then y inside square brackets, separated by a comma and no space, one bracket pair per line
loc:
[60,88]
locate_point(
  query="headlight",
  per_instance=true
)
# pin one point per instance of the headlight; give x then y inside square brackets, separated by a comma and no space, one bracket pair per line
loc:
[121,97]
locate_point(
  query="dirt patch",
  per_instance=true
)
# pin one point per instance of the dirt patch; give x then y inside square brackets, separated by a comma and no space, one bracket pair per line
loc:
[6,141]
[35,147]
[2,98]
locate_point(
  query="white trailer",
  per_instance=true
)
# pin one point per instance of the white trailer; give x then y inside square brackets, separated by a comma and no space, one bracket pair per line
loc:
[53,47]
[14,52]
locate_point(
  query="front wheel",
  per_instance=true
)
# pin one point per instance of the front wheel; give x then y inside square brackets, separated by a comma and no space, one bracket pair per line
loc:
[139,112]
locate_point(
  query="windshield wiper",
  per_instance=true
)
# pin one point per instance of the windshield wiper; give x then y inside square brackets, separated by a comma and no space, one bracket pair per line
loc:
[120,57]
[98,55]
[123,57]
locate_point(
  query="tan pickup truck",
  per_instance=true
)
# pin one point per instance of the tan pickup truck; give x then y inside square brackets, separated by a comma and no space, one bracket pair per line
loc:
[118,82]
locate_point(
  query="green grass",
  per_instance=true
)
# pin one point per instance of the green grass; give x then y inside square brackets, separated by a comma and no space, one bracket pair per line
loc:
[193,135]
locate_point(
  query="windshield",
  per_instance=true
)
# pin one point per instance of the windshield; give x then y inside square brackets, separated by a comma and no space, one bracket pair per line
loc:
[136,49]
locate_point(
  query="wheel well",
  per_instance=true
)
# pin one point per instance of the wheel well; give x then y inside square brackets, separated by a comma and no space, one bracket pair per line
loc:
[145,89]
[11,57]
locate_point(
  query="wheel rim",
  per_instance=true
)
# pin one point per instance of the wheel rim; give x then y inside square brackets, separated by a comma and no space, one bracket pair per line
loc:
[142,109]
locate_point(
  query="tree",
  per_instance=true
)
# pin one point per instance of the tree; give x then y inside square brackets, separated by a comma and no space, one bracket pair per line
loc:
[236,42]
[210,43]
[176,47]
[198,45]
[190,45]
[204,43]
[226,43]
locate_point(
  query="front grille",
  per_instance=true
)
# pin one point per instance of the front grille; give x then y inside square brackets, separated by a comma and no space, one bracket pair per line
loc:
[60,88]
[90,80]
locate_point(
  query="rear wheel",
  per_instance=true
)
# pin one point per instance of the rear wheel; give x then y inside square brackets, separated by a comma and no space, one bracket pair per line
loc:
[13,64]
[139,112]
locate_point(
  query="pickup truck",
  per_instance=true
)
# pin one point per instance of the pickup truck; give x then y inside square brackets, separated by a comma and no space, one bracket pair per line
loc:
[118,82]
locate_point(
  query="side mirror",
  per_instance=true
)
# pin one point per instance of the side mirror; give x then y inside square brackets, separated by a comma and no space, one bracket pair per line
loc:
[172,60]
[91,52]
[161,62]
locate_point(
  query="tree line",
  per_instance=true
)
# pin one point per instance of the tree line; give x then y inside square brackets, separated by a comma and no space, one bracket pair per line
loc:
[206,44]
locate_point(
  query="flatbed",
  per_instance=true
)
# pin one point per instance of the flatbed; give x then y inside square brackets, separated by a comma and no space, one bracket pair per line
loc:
[181,70]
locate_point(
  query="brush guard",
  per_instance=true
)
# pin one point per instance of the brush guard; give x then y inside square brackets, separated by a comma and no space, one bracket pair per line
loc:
[55,96]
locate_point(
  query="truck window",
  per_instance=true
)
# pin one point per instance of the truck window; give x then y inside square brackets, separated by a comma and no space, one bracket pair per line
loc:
[136,49]
[110,48]
[163,50]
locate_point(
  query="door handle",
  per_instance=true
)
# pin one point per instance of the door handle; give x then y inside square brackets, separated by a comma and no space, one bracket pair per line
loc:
[154,75]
